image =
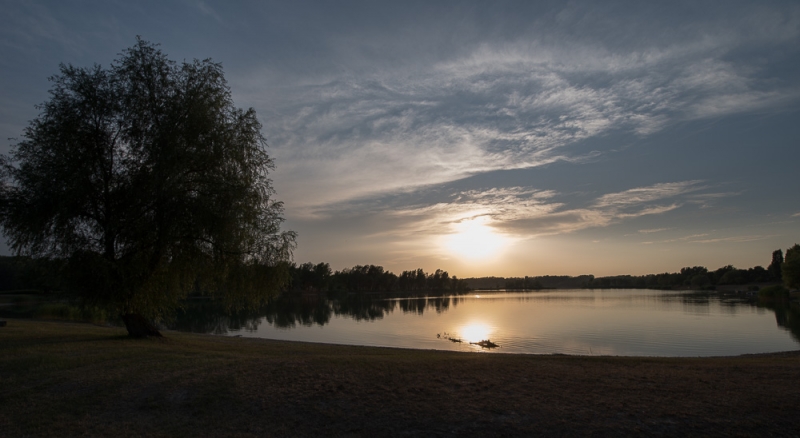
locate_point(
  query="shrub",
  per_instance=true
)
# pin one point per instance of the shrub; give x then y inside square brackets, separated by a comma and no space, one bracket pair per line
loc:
[776,291]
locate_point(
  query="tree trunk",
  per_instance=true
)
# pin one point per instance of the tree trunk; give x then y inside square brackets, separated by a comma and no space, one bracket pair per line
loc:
[139,327]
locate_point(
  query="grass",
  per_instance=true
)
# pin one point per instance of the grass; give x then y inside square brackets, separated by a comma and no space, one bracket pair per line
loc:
[67,379]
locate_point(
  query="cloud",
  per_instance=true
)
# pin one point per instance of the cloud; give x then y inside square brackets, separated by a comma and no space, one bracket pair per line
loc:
[693,236]
[702,238]
[736,239]
[28,26]
[515,212]
[678,239]
[541,216]
[207,10]
[708,200]
[654,230]
[510,103]
[641,195]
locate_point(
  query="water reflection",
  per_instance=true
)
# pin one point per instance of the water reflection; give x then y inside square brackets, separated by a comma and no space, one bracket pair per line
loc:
[289,311]
[576,322]
[206,316]
[475,332]
[787,315]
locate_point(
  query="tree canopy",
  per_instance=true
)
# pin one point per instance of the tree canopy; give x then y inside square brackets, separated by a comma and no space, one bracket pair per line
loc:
[775,266]
[791,267]
[149,180]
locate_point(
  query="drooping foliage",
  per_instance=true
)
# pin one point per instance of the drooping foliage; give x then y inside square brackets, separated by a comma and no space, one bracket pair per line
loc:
[151,183]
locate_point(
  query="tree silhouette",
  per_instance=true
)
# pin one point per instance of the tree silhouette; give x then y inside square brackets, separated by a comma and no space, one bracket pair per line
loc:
[149,180]
[774,267]
[790,268]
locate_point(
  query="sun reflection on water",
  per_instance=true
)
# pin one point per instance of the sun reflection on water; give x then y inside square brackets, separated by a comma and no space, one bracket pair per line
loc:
[475,332]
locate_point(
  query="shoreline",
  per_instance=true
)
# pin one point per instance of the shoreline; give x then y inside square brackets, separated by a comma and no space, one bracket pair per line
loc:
[494,352]
[71,379]
[167,332]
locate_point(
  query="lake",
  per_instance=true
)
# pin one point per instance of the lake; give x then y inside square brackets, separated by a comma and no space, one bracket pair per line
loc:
[630,322]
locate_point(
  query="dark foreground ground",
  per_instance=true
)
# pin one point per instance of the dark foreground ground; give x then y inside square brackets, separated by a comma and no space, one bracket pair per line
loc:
[61,379]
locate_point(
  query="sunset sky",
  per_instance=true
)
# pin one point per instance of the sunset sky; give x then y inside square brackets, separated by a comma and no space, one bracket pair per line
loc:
[484,138]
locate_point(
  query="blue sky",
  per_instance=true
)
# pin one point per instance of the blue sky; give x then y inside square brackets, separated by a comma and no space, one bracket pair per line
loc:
[484,138]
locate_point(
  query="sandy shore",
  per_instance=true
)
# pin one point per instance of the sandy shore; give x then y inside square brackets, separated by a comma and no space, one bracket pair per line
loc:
[61,379]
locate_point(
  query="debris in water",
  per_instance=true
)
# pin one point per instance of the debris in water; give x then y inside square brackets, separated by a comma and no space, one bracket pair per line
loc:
[485,344]
[447,336]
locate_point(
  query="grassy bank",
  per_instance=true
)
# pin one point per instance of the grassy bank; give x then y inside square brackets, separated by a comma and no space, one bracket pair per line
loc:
[63,379]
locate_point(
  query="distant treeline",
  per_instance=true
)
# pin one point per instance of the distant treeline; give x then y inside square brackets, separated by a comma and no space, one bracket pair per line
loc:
[530,283]
[319,277]
[24,273]
[696,277]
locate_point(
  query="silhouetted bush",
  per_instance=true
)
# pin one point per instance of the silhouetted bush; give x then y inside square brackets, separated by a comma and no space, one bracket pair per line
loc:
[774,292]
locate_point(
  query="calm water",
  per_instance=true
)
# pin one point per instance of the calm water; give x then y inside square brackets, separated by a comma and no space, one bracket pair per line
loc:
[585,322]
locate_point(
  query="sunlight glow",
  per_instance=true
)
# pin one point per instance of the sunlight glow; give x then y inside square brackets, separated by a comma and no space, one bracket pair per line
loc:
[475,332]
[474,239]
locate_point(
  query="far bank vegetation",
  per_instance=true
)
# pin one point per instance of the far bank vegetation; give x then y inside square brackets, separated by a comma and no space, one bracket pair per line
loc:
[43,275]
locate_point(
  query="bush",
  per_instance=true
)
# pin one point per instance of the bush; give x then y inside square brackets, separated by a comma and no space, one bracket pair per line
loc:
[776,291]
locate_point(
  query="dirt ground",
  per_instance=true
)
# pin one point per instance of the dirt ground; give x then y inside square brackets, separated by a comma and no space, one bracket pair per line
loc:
[60,379]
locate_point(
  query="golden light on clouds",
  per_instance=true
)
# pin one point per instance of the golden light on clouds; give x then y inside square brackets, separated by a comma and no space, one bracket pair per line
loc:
[474,240]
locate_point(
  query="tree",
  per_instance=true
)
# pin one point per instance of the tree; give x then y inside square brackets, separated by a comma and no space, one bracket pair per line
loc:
[151,184]
[774,267]
[700,280]
[790,269]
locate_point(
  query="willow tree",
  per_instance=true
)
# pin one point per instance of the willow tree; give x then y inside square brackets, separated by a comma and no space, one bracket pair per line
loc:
[148,180]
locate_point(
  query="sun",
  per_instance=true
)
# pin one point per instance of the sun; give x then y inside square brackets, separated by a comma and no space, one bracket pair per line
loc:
[474,239]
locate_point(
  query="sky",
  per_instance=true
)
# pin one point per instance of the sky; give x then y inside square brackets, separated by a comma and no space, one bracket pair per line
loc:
[483,138]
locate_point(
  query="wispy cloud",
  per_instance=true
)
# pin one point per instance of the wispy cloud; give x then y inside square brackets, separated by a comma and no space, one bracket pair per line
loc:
[207,10]
[735,239]
[677,239]
[654,230]
[707,200]
[28,25]
[641,195]
[703,238]
[511,104]
[518,212]
[692,236]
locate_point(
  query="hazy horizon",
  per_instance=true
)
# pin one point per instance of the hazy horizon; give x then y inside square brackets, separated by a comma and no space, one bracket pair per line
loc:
[486,139]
